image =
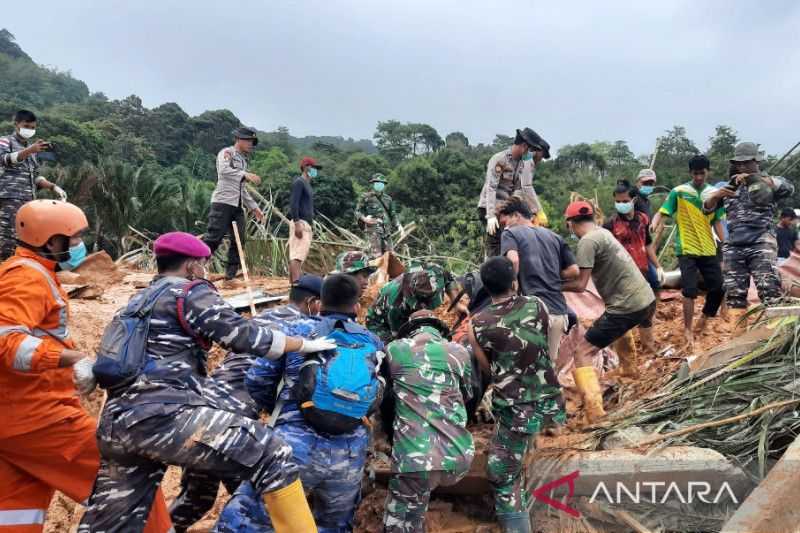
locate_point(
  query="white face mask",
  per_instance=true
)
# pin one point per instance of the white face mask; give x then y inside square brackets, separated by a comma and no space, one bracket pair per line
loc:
[26,133]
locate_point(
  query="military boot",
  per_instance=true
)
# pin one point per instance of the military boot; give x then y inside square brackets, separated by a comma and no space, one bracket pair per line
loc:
[589,387]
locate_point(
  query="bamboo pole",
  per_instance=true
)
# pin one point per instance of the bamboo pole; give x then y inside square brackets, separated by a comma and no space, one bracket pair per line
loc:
[715,423]
[243,261]
[779,161]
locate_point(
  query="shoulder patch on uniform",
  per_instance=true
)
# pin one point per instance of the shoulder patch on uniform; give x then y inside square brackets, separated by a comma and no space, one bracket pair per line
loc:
[4,141]
[498,168]
[226,153]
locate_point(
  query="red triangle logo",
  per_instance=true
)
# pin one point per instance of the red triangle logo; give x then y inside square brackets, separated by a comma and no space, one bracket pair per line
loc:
[542,492]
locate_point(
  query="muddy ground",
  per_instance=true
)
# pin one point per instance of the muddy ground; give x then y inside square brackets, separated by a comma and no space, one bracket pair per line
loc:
[448,514]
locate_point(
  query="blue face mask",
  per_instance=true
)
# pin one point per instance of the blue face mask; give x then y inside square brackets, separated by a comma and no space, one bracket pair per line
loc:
[378,186]
[527,157]
[312,172]
[623,208]
[646,189]
[77,255]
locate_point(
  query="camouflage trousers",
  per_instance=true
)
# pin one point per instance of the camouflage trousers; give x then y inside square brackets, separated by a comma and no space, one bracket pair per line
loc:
[138,442]
[505,469]
[409,494]
[759,260]
[331,470]
[378,241]
[199,489]
[8,231]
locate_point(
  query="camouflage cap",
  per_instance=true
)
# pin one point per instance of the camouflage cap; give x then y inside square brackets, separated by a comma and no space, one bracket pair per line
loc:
[747,151]
[378,177]
[352,262]
[420,284]
[647,174]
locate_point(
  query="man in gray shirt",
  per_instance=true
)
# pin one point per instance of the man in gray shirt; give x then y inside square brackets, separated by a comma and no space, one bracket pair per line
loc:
[231,195]
[542,261]
[629,301]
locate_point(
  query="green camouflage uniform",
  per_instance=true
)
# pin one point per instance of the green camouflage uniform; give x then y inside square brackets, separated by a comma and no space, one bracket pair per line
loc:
[526,398]
[352,262]
[378,235]
[430,382]
[422,286]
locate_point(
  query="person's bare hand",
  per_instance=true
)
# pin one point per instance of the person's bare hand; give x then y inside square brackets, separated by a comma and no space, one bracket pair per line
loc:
[39,145]
[255,179]
[258,214]
[725,192]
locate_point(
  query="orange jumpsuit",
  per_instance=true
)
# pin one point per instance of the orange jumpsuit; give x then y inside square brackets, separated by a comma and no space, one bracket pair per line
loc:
[47,440]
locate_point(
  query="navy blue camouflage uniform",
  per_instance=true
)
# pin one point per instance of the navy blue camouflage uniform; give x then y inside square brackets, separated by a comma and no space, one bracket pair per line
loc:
[752,248]
[18,181]
[164,417]
[226,388]
[331,466]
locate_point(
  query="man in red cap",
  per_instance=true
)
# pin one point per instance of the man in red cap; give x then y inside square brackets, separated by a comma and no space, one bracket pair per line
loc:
[301,213]
[164,416]
[629,301]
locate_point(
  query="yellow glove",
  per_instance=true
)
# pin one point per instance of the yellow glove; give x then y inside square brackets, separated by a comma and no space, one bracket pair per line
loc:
[540,219]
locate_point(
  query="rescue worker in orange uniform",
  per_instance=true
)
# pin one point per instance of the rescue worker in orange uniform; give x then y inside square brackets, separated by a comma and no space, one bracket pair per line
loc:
[47,440]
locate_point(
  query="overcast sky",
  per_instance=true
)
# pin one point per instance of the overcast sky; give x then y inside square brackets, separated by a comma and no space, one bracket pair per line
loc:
[573,71]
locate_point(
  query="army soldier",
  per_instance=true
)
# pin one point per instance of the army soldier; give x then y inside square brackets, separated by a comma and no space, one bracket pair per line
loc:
[231,195]
[422,287]
[509,337]
[510,173]
[357,265]
[751,248]
[376,214]
[19,176]
[431,382]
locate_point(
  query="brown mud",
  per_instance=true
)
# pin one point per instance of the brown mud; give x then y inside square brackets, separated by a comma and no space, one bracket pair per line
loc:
[447,514]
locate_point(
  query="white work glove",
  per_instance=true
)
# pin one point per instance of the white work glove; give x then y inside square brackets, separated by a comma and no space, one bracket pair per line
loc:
[317,345]
[660,275]
[484,411]
[83,377]
[492,225]
[379,355]
[60,193]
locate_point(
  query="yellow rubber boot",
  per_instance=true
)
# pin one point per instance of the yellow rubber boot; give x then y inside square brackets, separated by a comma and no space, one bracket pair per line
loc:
[589,387]
[288,509]
[628,356]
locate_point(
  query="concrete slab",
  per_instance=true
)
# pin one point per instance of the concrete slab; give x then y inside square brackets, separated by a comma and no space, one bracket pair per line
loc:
[772,506]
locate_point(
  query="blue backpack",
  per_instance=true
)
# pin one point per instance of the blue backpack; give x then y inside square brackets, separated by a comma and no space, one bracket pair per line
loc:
[336,390]
[122,355]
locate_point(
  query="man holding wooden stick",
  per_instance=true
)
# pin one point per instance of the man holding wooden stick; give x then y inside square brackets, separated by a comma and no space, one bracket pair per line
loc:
[231,196]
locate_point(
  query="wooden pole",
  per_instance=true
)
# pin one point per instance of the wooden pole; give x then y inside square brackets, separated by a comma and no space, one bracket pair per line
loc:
[243,261]
[715,423]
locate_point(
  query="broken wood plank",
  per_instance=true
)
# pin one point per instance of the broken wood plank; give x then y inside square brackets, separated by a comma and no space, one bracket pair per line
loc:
[772,506]
[241,301]
[786,310]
